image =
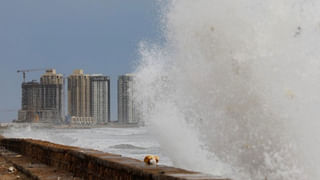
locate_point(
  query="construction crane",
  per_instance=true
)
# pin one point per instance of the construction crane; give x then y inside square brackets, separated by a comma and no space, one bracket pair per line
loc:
[24,71]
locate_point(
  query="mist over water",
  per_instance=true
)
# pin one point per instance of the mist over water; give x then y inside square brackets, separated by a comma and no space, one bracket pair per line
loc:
[234,91]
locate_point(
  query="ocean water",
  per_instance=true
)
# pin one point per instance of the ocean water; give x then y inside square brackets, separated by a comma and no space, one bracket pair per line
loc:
[129,142]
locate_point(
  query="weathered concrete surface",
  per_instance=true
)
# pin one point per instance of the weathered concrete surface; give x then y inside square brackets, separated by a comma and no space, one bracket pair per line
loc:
[6,174]
[96,165]
[33,169]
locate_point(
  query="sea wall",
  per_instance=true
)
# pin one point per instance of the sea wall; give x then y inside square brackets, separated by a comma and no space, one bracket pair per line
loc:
[96,165]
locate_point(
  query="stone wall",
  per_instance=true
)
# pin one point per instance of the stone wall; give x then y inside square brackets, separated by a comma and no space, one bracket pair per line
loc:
[96,165]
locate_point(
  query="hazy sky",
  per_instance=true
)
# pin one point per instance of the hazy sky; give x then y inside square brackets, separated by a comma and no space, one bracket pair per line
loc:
[99,36]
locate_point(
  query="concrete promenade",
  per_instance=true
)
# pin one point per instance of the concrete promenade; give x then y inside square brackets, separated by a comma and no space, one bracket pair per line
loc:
[35,159]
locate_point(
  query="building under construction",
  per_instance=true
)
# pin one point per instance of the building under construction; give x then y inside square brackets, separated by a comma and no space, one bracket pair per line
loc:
[43,102]
[30,102]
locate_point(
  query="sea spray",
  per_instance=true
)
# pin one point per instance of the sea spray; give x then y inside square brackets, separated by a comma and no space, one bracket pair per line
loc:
[234,90]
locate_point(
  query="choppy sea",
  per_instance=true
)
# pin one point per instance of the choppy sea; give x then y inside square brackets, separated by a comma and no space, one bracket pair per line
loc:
[129,142]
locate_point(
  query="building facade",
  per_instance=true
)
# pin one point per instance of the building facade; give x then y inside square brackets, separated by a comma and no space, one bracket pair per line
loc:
[30,102]
[100,98]
[43,102]
[52,97]
[127,110]
[79,100]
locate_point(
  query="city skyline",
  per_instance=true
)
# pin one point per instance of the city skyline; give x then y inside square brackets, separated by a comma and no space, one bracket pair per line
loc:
[97,36]
[87,95]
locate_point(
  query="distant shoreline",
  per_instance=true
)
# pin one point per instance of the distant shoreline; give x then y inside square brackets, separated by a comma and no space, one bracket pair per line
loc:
[4,126]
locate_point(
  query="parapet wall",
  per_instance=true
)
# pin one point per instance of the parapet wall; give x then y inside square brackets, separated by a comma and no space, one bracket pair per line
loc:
[96,165]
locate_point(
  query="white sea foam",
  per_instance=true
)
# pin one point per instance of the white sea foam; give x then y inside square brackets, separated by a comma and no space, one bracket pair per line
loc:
[129,142]
[234,91]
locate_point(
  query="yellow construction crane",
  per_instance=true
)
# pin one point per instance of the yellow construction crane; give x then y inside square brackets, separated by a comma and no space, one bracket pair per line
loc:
[24,71]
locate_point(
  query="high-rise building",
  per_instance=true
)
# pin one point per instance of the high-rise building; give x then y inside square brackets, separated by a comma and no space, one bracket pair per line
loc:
[79,94]
[100,98]
[30,102]
[43,102]
[127,110]
[52,97]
